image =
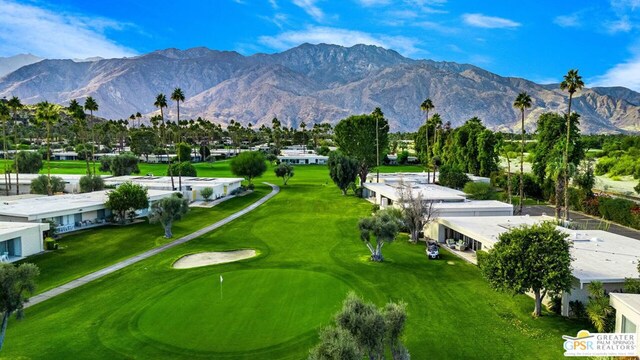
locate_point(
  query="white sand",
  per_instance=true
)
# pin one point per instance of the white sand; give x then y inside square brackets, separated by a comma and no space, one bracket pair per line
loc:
[212,258]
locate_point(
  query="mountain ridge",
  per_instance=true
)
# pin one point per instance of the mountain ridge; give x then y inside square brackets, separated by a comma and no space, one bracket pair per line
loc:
[312,83]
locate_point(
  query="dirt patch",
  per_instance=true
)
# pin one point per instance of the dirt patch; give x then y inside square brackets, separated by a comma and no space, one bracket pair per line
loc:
[212,258]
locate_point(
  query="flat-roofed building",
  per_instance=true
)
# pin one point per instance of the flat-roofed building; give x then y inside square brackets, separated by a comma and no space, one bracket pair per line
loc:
[300,157]
[191,186]
[71,182]
[69,212]
[597,255]
[627,313]
[19,240]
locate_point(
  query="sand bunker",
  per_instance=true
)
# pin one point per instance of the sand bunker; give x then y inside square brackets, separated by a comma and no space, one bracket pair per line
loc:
[211,258]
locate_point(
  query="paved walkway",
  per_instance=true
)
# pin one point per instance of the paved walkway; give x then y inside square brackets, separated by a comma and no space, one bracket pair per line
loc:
[585,221]
[147,254]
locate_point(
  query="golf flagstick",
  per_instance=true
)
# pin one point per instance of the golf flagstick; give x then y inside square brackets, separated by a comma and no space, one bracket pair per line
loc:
[221,280]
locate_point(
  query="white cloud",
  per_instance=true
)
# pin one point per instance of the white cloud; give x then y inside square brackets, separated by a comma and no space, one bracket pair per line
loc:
[31,29]
[369,3]
[274,4]
[572,20]
[310,7]
[328,35]
[626,74]
[621,25]
[430,25]
[489,22]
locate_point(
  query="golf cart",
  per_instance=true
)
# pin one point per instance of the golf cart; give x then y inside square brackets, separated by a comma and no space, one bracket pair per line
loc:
[433,250]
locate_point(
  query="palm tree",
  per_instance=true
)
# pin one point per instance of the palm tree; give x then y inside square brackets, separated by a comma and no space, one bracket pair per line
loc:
[523,101]
[15,104]
[91,105]
[426,106]
[48,114]
[178,96]
[77,113]
[161,102]
[572,82]
[4,117]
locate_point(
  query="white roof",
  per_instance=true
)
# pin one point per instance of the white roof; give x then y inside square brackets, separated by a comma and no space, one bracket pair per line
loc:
[417,177]
[632,301]
[597,255]
[56,205]
[476,204]
[26,178]
[8,228]
[429,192]
[166,180]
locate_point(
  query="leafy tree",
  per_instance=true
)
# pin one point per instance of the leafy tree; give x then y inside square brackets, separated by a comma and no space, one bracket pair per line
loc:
[285,171]
[601,314]
[127,197]
[44,185]
[572,82]
[343,170]
[168,210]
[403,157]
[356,138]
[143,142]
[478,190]
[336,344]
[395,317]
[452,176]
[30,162]
[384,225]
[184,168]
[249,164]
[473,148]
[120,165]
[530,258]
[522,102]
[16,283]
[206,193]
[89,183]
[48,114]
[183,150]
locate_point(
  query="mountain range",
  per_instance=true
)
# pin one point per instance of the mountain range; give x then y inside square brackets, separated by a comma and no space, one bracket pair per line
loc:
[310,83]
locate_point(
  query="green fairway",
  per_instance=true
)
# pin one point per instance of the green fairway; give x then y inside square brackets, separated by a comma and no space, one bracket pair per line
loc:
[272,305]
[278,305]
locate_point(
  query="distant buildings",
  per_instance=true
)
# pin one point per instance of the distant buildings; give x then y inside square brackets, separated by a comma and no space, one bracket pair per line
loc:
[191,186]
[299,157]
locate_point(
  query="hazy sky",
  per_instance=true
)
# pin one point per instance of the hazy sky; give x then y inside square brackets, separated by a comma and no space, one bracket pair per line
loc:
[539,40]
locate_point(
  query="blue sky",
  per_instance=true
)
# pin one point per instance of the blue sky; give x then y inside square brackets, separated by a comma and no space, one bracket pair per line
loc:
[538,40]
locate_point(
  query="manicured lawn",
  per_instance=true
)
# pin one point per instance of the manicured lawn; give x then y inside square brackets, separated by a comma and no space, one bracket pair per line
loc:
[272,306]
[90,250]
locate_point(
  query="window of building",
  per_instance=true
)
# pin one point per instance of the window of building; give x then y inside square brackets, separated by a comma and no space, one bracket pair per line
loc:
[627,326]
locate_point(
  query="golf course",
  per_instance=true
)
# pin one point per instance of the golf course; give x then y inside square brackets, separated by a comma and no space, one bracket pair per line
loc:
[271,306]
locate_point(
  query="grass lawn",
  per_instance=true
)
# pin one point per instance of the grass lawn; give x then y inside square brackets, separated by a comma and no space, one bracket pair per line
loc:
[86,251]
[272,306]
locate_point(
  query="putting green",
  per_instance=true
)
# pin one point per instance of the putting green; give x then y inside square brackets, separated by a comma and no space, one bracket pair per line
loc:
[274,306]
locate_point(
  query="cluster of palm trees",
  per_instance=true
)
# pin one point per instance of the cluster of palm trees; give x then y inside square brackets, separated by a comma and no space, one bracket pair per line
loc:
[572,82]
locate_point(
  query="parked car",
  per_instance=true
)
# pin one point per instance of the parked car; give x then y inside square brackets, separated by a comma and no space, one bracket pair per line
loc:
[433,250]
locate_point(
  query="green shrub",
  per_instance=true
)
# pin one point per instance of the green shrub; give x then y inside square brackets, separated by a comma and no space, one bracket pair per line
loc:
[479,190]
[403,157]
[577,309]
[184,168]
[39,185]
[50,244]
[452,176]
[618,210]
[206,193]
[555,304]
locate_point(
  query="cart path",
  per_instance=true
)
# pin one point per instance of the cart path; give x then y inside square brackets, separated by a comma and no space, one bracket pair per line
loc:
[147,254]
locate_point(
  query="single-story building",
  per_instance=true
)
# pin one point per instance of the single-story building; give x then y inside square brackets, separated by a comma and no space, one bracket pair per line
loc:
[297,157]
[70,212]
[627,313]
[416,177]
[597,255]
[191,186]
[20,239]
[64,155]
[446,201]
[71,181]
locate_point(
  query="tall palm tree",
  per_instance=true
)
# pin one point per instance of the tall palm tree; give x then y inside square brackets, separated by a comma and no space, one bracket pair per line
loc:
[77,113]
[178,96]
[4,117]
[161,102]
[15,105]
[48,114]
[572,82]
[522,102]
[91,105]
[426,106]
